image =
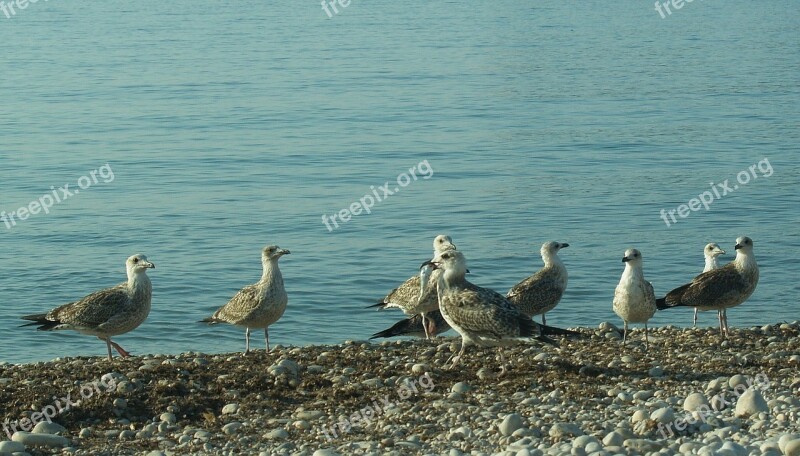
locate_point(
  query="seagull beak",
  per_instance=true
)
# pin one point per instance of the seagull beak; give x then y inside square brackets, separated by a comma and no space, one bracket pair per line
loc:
[284,252]
[625,259]
[430,263]
[148,264]
[738,246]
[564,245]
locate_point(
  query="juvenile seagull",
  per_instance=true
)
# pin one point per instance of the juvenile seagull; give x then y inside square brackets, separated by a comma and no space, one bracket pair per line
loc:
[634,299]
[482,316]
[435,325]
[105,313]
[720,288]
[415,296]
[541,292]
[258,305]
[711,252]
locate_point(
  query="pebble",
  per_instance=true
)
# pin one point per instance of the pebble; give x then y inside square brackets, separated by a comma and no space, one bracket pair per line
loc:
[168,418]
[694,401]
[49,440]
[642,445]
[510,424]
[560,430]
[460,387]
[277,434]
[232,427]
[613,438]
[8,447]
[792,448]
[751,403]
[663,415]
[230,409]
[656,371]
[45,427]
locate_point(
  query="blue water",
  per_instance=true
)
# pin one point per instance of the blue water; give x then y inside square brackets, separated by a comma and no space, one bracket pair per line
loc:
[232,125]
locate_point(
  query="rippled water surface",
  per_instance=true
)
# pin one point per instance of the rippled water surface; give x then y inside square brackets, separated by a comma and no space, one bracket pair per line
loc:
[232,125]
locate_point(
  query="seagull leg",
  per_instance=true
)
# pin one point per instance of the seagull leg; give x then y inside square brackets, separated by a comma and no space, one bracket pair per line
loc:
[721,323]
[266,337]
[646,340]
[457,357]
[246,341]
[724,313]
[425,326]
[119,349]
[694,322]
[503,360]
[624,332]
[544,322]
[108,344]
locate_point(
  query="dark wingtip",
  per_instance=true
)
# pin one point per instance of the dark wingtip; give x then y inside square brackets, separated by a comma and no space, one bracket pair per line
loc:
[380,306]
[661,304]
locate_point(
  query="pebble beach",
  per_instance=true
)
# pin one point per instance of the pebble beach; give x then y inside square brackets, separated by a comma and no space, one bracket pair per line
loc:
[692,392]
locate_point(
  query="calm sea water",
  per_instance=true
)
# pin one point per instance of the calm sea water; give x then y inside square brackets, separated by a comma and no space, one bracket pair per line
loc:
[232,125]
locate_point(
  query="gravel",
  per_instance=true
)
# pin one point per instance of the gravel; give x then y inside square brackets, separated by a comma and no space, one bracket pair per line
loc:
[689,393]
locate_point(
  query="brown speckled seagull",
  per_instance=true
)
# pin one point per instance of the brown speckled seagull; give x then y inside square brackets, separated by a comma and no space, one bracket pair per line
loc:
[259,305]
[105,313]
[481,316]
[541,292]
[720,288]
[415,297]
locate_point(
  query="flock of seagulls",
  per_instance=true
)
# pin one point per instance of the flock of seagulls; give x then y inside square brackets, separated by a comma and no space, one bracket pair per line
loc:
[437,299]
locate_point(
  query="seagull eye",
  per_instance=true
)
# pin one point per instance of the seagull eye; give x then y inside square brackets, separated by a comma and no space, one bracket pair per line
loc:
[135,260]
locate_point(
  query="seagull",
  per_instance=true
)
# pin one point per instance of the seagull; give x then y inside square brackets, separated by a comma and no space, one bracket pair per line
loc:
[417,296]
[105,313]
[711,252]
[541,292]
[413,326]
[258,305]
[634,299]
[480,315]
[720,288]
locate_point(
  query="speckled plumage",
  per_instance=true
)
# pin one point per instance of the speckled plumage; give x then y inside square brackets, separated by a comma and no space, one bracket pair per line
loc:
[105,313]
[634,298]
[541,292]
[258,305]
[480,315]
[411,296]
[710,253]
[720,288]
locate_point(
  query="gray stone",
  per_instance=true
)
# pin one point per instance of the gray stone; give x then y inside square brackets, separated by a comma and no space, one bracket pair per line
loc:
[510,423]
[751,403]
[642,445]
[792,448]
[230,409]
[663,415]
[613,438]
[44,427]
[656,371]
[693,401]
[231,428]
[561,430]
[47,440]
[8,447]
[460,387]
[168,418]
[310,415]
[277,434]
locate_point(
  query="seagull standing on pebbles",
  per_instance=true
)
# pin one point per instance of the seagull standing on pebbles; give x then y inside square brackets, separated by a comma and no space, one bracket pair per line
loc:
[634,299]
[720,288]
[105,313]
[259,305]
[482,316]
[541,292]
[711,252]
[418,296]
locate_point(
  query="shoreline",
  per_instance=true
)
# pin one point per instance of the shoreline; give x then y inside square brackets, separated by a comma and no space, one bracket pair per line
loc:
[394,397]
